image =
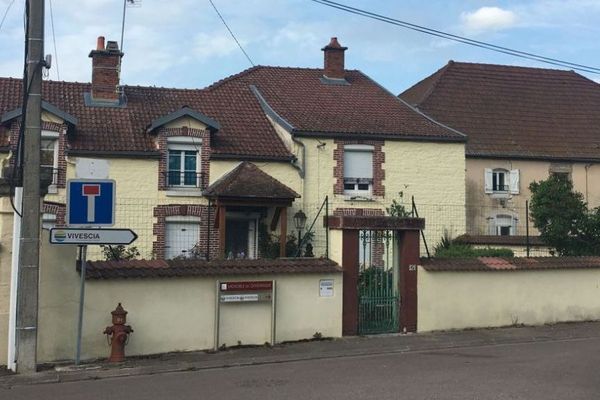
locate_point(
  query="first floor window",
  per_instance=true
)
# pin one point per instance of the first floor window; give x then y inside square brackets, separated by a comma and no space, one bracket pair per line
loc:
[183,168]
[49,156]
[501,181]
[358,170]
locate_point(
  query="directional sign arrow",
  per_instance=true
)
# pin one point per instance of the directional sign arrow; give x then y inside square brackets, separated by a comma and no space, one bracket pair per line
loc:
[91,236]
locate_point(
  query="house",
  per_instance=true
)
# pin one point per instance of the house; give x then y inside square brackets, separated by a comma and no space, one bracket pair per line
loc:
[200,173]
[523,124]
[217,182]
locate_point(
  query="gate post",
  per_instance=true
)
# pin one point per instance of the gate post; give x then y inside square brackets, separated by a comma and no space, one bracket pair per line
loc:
[409,260]
[350,246]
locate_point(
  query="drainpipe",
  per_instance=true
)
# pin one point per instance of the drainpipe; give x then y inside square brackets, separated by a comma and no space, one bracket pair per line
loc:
[301,168]
[587,167]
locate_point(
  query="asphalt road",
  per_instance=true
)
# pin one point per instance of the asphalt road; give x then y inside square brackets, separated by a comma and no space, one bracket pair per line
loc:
[565,370]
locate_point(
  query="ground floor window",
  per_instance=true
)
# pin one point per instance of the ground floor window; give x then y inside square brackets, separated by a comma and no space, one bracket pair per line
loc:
[182,235]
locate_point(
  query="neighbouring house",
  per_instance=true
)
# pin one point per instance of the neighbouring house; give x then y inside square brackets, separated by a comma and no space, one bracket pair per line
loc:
[523,124]
[220,174]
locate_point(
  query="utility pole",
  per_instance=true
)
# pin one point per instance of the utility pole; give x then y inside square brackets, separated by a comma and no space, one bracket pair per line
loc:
[27,295]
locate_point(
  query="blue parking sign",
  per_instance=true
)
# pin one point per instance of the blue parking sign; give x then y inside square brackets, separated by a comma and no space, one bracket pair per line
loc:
[90,202]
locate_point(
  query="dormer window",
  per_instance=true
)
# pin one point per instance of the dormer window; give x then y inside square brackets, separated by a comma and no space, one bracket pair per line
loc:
[49,156]
[183,163]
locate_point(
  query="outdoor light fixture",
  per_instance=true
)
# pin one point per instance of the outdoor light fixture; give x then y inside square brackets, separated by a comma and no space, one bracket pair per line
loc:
[300,222]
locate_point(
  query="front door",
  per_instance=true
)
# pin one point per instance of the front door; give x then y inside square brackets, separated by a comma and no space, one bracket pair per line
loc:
[240,237]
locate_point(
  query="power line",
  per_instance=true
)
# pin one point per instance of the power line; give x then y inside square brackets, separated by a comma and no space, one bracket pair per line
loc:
[457,38]
[54,41]
[6,13]
[231,33]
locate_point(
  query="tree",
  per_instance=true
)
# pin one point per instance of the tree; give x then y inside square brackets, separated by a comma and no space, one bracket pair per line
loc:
[563,219]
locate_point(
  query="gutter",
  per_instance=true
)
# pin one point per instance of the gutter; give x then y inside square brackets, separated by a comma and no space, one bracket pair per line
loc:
[115,154]
[379,136]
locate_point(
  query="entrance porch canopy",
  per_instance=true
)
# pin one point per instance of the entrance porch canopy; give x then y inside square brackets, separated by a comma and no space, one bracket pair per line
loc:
[248,186]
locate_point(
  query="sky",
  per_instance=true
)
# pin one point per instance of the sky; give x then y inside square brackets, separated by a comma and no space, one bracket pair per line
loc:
[183,43]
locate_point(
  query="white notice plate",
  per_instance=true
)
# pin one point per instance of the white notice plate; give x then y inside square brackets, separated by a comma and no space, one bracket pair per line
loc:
[237,298]
[326,288]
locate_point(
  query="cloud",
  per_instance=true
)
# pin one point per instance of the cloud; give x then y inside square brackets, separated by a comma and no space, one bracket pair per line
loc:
[488,19]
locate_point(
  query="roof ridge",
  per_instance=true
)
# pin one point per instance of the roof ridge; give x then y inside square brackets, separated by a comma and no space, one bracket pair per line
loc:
[412,108]
[513,66]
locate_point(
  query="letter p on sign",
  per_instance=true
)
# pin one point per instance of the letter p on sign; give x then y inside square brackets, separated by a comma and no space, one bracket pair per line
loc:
[91,191]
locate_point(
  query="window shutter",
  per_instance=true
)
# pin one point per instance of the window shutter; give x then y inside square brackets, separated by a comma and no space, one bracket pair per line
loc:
[358,164]
[488,178]
[514,181]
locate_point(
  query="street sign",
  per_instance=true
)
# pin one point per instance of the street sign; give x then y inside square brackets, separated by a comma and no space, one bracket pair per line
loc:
[90,202]
[91,236]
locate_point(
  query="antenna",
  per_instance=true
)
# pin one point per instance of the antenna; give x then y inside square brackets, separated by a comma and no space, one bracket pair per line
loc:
[127,3]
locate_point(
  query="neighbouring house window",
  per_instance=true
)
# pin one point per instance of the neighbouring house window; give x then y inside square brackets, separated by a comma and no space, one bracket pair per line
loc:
[501,181]
[561,170]
[358,170]
[183,163]
[49,153]
[503,225]
[182,235]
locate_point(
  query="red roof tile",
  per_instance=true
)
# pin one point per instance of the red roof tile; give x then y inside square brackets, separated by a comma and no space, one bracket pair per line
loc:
[247,180]
[180,268]
[513,264]
[296,94]
[514,111]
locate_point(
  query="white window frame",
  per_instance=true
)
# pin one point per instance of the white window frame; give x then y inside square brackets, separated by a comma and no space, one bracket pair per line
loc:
[52,137]
[356,192]
[504,218]
[180,220]
[510,184]
[183,144]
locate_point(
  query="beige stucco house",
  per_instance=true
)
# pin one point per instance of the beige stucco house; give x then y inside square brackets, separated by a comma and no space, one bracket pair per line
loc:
[523,124]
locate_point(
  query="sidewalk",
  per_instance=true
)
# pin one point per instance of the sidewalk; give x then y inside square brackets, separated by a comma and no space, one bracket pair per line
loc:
[344,347]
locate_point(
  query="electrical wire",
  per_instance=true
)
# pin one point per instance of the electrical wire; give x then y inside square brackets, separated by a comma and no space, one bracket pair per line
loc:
[6,13]
[231,33]
[457,38]
[54,41]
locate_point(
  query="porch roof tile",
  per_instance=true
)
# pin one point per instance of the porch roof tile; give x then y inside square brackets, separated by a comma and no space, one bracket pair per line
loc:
[248,181]
[185,268]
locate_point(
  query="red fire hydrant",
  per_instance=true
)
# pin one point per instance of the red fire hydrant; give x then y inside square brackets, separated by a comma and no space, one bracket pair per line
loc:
[120,333]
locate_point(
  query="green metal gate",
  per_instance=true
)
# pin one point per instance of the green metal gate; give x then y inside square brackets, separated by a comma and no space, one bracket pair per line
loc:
[378,306]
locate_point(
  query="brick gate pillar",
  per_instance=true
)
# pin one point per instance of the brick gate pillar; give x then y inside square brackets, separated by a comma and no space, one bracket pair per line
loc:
[409,260]
[350,261]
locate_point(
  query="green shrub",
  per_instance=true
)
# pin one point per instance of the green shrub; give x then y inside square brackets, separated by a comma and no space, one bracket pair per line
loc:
[461,250]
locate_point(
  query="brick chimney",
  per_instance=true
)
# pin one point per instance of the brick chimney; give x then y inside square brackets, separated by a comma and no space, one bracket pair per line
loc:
[106,66]
[334,60]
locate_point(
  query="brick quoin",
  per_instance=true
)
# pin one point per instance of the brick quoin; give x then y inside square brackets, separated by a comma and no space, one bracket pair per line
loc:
[378,161]
[161,213]
[165,133]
